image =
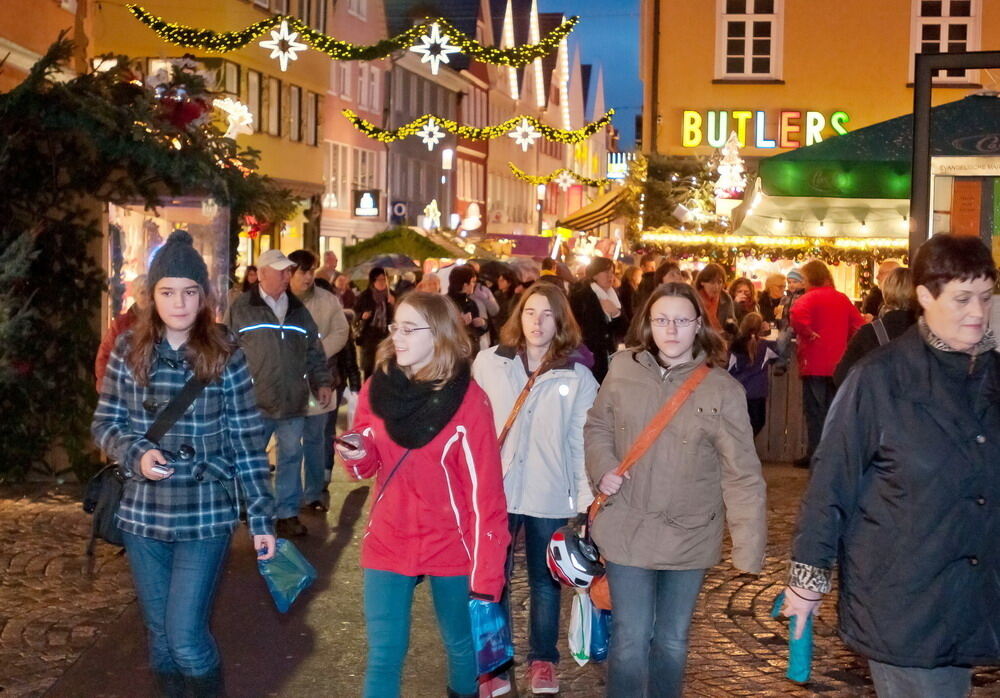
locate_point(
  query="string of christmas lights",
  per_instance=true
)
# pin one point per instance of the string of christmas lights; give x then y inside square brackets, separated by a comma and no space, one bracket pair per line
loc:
[563,177]
[224,42]
[471,132]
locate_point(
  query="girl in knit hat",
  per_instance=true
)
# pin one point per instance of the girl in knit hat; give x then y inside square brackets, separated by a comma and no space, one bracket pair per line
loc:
[179,506]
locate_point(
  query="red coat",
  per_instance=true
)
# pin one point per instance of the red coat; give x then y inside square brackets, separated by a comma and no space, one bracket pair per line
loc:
[118,325]
[444,513]
[824,320]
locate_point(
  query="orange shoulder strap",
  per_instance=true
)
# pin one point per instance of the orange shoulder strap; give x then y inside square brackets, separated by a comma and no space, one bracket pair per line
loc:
[519,403]
[653,429]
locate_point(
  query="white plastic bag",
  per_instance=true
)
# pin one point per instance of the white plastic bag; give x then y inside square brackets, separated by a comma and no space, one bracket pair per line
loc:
[351,398]
[580,617]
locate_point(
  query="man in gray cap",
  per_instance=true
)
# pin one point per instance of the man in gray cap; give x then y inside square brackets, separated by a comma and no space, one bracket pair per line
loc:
[282,345]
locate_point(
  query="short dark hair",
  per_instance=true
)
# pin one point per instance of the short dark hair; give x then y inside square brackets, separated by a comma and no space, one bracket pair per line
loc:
[458,277]
[946,258]
[710,273]
[664,269]
[304,259]
[548,264]
[816,273]
[599,264]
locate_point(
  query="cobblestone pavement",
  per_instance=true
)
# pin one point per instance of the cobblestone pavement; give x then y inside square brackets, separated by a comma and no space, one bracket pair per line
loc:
[63,625]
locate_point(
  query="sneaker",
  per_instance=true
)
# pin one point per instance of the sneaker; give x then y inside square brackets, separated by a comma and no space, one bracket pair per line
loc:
[290,528]
[542,676]
[494,686]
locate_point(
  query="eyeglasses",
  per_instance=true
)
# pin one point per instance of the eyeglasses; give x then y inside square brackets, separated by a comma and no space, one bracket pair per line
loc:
[407,330]
[678,322]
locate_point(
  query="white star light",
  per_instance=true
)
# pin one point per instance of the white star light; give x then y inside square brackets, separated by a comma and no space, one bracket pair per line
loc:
[238,115]
[435,48]
[565,180]
[283,45]
[525,134]
[431,134]
[433,214]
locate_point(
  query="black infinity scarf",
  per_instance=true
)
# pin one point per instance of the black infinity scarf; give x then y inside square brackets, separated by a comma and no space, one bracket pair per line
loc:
[413,411]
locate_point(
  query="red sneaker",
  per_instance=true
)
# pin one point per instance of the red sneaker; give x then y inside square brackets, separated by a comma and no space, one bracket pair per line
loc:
[494,687]
[543,679]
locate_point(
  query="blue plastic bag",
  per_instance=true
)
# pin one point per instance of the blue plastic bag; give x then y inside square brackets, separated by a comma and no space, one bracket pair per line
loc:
[491,636]
[600,634]
[799,651]
[286,574]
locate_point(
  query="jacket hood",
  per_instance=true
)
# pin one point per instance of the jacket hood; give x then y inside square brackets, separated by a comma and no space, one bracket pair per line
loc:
[581,355]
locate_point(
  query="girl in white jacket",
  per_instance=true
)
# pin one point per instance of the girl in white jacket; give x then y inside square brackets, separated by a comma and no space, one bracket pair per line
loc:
[543,464]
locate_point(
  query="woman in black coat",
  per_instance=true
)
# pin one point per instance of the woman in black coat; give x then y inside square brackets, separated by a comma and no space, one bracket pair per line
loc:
[895,317]
[461,284]
[599,313]
[903,491]
[374,312]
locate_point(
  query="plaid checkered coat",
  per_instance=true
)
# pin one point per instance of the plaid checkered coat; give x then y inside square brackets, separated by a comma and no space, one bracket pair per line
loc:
[200,500]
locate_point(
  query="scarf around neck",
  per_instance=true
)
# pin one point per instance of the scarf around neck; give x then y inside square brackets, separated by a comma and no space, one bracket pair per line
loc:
[711,310]
[608,295]
[415,412]
[984,345]
[380,318]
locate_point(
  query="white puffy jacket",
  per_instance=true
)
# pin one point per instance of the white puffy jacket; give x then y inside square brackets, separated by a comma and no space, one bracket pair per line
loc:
[543,457]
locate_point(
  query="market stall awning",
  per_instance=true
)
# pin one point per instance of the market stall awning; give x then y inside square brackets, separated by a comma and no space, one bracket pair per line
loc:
[601,210]
[874,161]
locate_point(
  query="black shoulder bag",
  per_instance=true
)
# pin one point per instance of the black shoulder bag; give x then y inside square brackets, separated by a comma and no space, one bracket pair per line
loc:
[104,490]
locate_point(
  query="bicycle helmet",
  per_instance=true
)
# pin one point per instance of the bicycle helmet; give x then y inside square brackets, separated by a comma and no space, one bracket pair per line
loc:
[572,561]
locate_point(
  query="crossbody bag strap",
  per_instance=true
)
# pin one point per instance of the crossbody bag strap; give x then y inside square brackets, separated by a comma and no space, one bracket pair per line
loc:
[175,408]
[880,332]
[519,403]
[653,429]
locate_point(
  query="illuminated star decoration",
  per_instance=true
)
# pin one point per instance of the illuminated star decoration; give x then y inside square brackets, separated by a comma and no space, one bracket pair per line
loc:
[283,45]
[431,134]
[435,48]
[433,213]
[238,115]
[565,180]
[525,135]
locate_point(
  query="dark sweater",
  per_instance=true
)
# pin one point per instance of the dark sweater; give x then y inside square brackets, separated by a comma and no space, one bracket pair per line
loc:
[864,340]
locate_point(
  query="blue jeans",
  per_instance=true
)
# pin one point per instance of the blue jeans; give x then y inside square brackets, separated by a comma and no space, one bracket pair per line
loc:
[317,453]
[913,682]
[175,583]
[543,612]
[388,600]
[653,610]
[288,474]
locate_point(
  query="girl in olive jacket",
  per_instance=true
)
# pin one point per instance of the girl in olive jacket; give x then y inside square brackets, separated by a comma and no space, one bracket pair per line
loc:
[662,527]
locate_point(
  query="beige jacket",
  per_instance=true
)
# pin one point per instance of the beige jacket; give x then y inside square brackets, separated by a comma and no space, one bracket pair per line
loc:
[703,466]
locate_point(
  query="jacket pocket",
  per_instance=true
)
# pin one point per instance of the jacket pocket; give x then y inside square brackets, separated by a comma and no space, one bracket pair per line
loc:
[689,522]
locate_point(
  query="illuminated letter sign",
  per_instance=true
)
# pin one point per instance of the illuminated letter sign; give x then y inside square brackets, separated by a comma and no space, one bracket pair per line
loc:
[787,126]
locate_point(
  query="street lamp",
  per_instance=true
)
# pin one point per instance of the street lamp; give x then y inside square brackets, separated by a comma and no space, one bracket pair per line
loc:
[447,162]
[540,191]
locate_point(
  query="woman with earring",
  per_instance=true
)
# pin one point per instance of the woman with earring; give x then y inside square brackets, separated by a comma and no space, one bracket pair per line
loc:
[179,506]
[542,451]
[662,525]
[424,430]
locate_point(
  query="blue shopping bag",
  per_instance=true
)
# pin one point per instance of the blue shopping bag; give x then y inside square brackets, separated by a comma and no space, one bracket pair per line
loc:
[600,634]
[800,650]
[286,574]
[491,636]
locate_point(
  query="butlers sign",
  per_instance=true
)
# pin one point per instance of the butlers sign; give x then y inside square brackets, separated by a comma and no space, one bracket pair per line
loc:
[787,128]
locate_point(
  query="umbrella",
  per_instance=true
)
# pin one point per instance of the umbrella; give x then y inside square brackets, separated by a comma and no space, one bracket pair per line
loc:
[398,262]
[525,267]
[492,269]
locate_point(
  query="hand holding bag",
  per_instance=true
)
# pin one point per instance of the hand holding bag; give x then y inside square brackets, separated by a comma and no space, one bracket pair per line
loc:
[491,638]
[286,574]
[579,635]
[600,593]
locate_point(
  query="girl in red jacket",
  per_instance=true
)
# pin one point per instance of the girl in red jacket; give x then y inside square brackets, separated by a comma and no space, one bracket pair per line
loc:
[424,430]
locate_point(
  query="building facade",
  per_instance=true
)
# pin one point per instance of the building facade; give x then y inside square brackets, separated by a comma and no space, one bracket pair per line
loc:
[784,74]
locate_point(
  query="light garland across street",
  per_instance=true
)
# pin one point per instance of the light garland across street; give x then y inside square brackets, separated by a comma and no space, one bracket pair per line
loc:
[563,177]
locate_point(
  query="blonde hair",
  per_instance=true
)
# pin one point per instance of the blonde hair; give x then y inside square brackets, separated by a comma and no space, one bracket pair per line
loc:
[452,348]
[897,290]
[568,335]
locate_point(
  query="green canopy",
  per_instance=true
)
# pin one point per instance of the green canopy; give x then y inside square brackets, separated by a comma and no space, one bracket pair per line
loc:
[400,240]
[875,161]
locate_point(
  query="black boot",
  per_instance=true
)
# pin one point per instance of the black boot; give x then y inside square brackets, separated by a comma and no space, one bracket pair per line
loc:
[453,694]
[168,685]
[206,686]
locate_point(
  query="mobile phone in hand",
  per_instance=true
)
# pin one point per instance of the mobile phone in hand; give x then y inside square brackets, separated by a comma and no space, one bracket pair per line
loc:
[346,444]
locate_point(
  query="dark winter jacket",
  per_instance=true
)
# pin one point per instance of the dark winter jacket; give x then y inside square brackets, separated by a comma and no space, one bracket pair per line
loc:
[598,332]
[904,496]
[286,358]
[865,340]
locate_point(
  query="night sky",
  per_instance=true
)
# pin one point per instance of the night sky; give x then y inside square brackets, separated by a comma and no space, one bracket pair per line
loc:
[608,34]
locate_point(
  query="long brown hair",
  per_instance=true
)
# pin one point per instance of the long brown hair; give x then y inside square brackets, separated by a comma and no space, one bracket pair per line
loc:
[452,347]
[748,338]
[707,341]
[207,348]
[568,335]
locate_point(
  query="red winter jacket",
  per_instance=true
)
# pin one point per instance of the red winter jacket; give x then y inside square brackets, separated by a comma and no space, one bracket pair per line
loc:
[824,320]
[444,512]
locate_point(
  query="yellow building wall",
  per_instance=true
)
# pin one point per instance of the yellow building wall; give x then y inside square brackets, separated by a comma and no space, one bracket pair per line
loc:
[117,31]
[848,55]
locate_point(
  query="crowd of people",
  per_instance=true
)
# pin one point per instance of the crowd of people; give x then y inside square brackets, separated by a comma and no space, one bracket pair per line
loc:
[491,406]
